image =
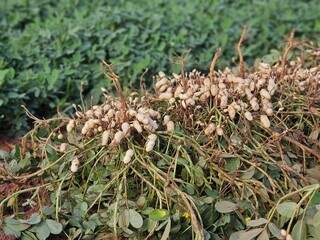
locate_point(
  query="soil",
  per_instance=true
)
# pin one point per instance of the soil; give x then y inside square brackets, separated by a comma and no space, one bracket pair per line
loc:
[7,144]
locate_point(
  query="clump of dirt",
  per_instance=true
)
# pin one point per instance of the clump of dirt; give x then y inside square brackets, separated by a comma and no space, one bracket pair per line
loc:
[6,189]
[6,237]
[7,144]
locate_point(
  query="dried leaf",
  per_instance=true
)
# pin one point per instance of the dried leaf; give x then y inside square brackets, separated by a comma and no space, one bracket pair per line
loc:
[166,231]
[257,222]
[251,234]
[275,231]
[263,236]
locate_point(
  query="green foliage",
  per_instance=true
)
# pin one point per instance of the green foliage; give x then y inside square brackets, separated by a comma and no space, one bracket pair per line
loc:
[50,50]
[32,227]
[298,222]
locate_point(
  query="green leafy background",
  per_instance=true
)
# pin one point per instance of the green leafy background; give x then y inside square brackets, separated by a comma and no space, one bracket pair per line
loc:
[50,50]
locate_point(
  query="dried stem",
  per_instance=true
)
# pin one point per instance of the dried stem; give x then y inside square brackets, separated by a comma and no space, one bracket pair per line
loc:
[142,82]
[241,61]
[289,46]
[29,114]
[303,147]
[115,78]
[213,64]
[181,61]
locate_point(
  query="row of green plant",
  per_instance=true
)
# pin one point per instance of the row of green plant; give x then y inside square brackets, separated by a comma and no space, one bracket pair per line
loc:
[50,50]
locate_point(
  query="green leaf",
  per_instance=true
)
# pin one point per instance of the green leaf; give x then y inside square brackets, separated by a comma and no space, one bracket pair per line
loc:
[53,78]
[47,210]
[42,230]
[314,232]
[316,219]
[158,214]
[315,199]
[299,231]
[212,193]
[14,227]
[97,188]
[80,209]
[232,164]
[226,206]
[272,58]
[24,162]
[135,219]
[89,225]
[26,235]
[151,224]
[199,176]
[223,220]
[96,219]
[139,66]
[5,74]
[128,231]
[10,230]
[287,209]
[55,227]
[34,219]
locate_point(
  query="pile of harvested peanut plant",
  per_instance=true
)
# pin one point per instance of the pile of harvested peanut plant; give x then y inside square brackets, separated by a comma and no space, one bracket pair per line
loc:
[229,155]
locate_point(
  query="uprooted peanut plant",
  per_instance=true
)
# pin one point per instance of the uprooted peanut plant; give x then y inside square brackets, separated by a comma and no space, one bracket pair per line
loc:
[228,155]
